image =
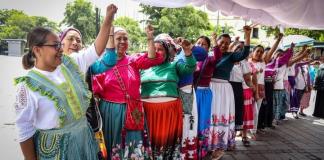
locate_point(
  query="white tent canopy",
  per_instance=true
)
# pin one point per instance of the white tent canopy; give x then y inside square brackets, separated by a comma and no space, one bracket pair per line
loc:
[308,14]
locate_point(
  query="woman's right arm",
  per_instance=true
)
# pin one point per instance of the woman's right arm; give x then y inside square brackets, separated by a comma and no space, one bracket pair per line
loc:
[25,116]
[267,57]
[28,149]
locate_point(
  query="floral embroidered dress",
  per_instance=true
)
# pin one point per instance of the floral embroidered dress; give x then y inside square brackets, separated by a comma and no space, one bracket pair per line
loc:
[222,128]
[121,143]
[189,144]
[51,107]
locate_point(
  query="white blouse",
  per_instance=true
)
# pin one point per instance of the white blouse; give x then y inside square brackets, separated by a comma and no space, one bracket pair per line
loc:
[238,71]
[34,111]
[301,78]
[280,76]
[260,67]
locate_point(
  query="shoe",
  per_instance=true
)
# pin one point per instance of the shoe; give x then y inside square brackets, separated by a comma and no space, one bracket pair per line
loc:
[302,114]
[216,155]
[274,127]
[296,117]
[246,142]
[261,131]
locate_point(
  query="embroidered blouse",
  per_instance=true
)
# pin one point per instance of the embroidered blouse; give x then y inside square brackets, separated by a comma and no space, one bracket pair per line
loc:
[106,86]
[34,111]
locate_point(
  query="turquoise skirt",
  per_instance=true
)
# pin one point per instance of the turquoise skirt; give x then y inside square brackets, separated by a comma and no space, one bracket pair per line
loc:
[73,141]
[120,142]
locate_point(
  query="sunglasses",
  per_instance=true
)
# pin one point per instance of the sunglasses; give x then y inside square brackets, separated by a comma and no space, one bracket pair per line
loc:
[57,46]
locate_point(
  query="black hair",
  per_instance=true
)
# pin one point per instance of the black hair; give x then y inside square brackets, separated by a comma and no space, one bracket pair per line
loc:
[206,39]
[267,49]
[225,35]
[258,46]
[167,47]
[35,37]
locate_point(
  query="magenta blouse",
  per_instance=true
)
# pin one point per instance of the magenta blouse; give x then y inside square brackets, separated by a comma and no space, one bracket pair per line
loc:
[208,70]
[106,86]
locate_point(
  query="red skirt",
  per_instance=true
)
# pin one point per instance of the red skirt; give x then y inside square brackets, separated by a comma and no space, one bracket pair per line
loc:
[164,122]
[304,102]
[248,121]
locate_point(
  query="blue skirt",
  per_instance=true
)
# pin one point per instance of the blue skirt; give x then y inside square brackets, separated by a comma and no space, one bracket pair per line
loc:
[204,100]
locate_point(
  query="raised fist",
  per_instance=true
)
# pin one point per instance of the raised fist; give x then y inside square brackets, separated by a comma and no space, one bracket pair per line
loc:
[111,10]
[149,31]
[247,30]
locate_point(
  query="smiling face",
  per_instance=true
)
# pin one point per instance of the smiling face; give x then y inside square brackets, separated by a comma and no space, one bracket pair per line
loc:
[121,42]
[223,44]
[72,42]
[203,43]
[49,54]
[160,49]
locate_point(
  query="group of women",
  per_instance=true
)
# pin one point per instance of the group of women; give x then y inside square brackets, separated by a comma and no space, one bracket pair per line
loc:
[174,101]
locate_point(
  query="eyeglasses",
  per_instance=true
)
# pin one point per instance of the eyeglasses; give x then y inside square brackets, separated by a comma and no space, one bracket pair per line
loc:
[57,46]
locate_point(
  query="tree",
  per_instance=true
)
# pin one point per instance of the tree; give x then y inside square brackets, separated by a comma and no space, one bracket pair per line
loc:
[136,35]
[180,22]
[16,24]
[81,15]
[316,34]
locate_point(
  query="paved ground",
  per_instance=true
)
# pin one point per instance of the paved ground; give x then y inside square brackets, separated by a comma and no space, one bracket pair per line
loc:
[301,139]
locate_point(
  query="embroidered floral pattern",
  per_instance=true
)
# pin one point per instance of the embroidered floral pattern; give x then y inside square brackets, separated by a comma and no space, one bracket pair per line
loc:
[21,99]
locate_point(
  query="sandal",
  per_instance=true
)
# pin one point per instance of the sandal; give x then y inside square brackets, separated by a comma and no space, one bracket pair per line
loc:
[245,141]
[216,155]
[302,114]
[231,148]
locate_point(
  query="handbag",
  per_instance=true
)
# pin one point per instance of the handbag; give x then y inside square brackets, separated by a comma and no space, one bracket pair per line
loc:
[187,98]
[134,117]
[95,120]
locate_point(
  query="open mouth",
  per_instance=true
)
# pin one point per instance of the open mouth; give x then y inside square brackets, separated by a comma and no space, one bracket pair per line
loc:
[74,49]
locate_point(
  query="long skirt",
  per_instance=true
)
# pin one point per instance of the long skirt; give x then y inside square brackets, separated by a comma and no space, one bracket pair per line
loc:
[265,117]
[222,128]
[204,100]
[165,124]
[189,144]
[319,104]
[239,104]
[296,98]
[249,105]
[120,142]
[73,141]
[304,103]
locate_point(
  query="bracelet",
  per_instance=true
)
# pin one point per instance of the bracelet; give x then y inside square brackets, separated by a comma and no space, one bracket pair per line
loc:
[149,39]
[111,35]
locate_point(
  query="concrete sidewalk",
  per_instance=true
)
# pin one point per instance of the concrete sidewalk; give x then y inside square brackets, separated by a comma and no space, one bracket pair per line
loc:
[293,139]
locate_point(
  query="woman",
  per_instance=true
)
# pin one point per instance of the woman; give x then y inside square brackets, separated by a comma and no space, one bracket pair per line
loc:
[115,87]
[189,144]
[319,87]
[258,61]
[52,98]
[222,128]
[163,107]
[71,40]
[202,78]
